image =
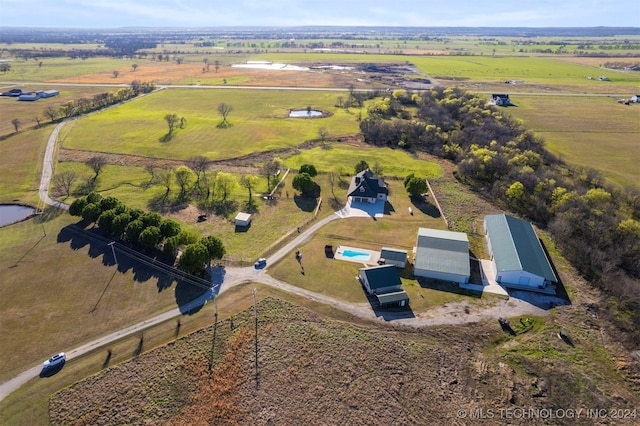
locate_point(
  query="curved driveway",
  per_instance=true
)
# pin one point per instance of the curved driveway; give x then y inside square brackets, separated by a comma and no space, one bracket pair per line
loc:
[451,314]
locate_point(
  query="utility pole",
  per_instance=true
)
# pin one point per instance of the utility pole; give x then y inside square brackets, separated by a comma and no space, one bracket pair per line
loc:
[215,327]
[255,313]
[42,221]
[113,250]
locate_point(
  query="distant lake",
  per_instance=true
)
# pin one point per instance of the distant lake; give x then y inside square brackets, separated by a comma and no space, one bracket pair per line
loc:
[12,213]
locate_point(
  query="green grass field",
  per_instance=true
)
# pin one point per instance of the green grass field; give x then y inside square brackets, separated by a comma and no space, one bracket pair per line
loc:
[21,165]
[59,68]
[595,132]
[27,112]
[335,156]
[529,70]
[337,278]
[259,123]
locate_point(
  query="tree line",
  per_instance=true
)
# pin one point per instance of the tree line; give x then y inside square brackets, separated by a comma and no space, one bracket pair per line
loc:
[148,230]
[596,225]
[81,106]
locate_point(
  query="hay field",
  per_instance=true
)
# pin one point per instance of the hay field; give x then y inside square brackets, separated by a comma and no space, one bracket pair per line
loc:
[595,132]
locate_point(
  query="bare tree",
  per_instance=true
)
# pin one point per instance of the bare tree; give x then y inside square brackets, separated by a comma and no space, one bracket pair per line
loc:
[249,182]
[205,65]
[323,133]
[97,163]
[65,181]
[199,165]
[172,120]
[115,73]
[38,120]
[164,178]
[216,65]
[134,67]
[224,110]
[179,60]
[270,170]
[16,124]
[50,112]
[333,176]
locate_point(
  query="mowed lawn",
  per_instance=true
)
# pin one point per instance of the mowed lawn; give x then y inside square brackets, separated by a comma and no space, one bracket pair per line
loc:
[343,157]
[57,291]
[64,67]
[594,132]
[337,278]
[259,122]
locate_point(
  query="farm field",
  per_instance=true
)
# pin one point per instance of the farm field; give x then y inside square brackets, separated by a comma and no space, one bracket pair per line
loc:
[595,132]
[53,280]
[527,71]
[350,370]
[259,122]
[27,112]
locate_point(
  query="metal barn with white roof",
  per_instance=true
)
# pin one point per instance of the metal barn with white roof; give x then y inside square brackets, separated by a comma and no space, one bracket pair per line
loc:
[442,255]
[516,253]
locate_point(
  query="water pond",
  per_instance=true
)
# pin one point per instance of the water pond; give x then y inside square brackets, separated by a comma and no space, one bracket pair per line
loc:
[303,113]
[12,213]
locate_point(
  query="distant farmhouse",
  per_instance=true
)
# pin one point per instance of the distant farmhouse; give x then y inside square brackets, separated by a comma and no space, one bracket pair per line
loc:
[367,188]
[442,255]
[517,254]
[500,99]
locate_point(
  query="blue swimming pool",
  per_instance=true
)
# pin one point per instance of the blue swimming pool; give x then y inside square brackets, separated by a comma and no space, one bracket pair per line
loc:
[353,254]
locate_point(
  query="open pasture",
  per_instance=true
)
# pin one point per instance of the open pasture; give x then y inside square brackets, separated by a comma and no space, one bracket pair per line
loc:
[53,69]
[531,70]
[343,157]
[27,112]
[21,166]
[259,122]
[595,132]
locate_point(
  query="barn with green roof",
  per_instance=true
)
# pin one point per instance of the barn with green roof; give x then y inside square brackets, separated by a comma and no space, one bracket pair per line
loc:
[517,254]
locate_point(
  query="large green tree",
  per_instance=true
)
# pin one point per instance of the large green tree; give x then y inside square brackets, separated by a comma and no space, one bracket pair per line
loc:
[303,182]
[214,246]
[416,186]
[194,257]
[309,169]
[361,166]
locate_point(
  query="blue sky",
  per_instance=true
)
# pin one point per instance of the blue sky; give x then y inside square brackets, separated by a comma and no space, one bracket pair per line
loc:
[214,13]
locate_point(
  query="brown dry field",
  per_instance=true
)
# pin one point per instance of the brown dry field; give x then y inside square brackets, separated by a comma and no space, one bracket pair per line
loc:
[313,369]
[189,73]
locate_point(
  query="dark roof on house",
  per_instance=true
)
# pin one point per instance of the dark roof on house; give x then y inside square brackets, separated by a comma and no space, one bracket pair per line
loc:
[516,246]
[392,297]
[382,276]
[393,254]
[443,251]
[365,184]
[499,95]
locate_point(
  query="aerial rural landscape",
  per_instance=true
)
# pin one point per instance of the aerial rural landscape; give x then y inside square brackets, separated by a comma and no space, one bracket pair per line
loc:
[320,224]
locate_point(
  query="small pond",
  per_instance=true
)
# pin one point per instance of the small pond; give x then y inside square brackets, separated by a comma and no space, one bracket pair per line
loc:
[12,213]
[303,113]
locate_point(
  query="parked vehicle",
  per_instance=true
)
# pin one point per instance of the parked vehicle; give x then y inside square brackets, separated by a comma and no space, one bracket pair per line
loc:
[55,360]
[261,263]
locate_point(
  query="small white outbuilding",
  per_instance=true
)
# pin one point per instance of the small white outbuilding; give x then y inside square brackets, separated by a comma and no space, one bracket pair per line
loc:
[243,219]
